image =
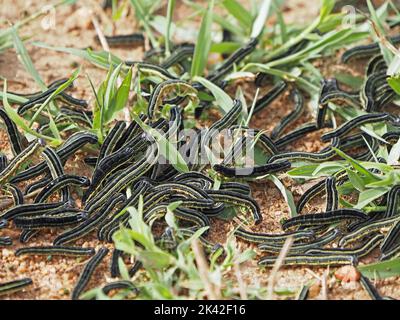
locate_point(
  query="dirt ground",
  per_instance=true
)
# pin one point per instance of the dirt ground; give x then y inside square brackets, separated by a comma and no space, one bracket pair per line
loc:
[55,278]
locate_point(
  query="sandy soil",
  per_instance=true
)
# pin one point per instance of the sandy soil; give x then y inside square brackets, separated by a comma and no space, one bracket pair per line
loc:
[54,278]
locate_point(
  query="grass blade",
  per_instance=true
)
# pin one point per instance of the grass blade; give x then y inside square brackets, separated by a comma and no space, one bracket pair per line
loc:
[286,194]
[59,90]
[98,58]
[121,97]
[26,59]
[13,98]
[381,270]
[222,99]
[203,43]
[370,176]
[394,83]
[241,14]
[369,195]
[259,23]
[170,12]
[141,15]
[20,122]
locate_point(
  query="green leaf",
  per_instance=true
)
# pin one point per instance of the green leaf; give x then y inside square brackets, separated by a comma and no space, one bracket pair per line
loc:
[241,14]
[203,43]
[155,259]
[381,270]
[324,12]
[326,8]
[246,256]
[170,217]
[327,41]
[123,240]
[369,195]
[372,132]
[303,171]
[110,89]
[21,123]
[355,180]
[328,168]
[222,21]
[98,58]
[170,12]
[376,19]
[13,98]
[394,82]
[228,213]
[123,269]
[26,60]
[121,97]
[286,194]
[224,47]
[142,15]
[53,127]
[259,23]
[388,181]
[59,90]
[394,154]
[331,22]
[350,80]
[97,118]
[250,113]
[356,165]
[117,11]
[222,99]
[281,22]
[293,75]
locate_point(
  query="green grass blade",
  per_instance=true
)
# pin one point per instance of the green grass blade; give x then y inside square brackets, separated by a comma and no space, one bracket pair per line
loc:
[241,14]
[141,15]
[121,97]
[394,83]
[26,60]
[222,21]
[13,98]
[20,122]
[376,20]
[281,22]
[394,154]
[98,58]
[369,195]
[293,75]
[326,8]
[59,90]
[53,127]
[356,165]
[170,13]
[259,23]
[110,91]
[222,99]
[381,270]
[286,194]
[203,43]
[96,124]
[224,47]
